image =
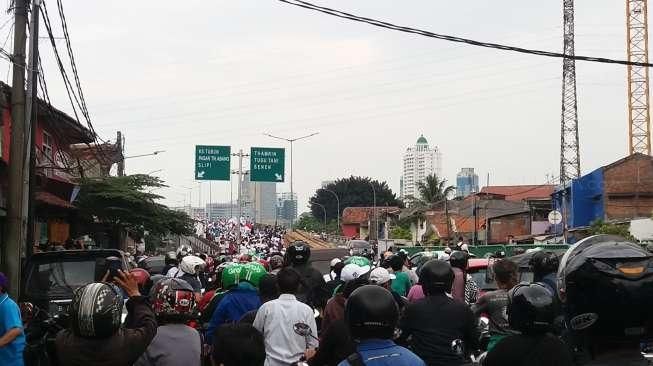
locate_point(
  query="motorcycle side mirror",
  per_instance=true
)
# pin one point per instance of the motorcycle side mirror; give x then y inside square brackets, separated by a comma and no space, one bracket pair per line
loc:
[458,347]
[27,311]
[302,329]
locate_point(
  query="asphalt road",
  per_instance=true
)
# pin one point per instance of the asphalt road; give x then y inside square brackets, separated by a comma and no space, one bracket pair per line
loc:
[321,258]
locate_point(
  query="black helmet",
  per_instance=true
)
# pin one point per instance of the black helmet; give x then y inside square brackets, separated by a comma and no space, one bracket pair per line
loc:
[459,259]
[606,285]
[544,262]
[531,308]
[436,276]
[95,310]
[371,312]
[298,252]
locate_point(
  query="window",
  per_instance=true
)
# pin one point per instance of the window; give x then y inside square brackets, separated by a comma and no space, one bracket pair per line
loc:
[47,146]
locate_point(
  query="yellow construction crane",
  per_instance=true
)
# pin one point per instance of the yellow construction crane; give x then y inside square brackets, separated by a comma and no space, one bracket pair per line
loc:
[638,78]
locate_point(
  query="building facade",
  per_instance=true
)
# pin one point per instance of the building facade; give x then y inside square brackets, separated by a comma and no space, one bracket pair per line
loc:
[259,201]
[286,208]
[466,182]
[419,161]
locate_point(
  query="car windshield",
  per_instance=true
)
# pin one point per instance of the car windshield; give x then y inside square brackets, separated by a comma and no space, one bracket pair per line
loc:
[60,278]
[479,277]
[359,244]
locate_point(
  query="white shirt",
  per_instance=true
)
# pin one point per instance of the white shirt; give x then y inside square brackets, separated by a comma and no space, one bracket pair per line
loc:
[275,320]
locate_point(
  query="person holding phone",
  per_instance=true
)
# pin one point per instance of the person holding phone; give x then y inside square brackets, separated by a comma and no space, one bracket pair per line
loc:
[96,335]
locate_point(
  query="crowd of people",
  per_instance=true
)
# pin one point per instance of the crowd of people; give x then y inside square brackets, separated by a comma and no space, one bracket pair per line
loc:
[255,239]
[592,307]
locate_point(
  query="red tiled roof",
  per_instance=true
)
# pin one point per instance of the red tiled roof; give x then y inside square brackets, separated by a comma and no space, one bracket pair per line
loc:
[359,215]
[52,200]
[459,223]
[520,193]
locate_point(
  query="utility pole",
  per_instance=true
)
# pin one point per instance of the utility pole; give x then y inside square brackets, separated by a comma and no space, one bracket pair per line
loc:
[16,225]
[240,174]
[31,118]
[121,148]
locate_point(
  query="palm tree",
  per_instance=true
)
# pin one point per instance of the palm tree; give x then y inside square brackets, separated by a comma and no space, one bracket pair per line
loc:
[434,189]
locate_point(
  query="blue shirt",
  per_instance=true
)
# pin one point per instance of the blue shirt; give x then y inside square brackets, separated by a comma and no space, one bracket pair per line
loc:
[11,354]
[233,306]
[384,352]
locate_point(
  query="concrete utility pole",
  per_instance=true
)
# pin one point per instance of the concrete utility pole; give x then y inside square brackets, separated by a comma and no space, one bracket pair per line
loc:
[376,221]
[338,208]
[121,148]
[16,225]
[240,173]
[31,121]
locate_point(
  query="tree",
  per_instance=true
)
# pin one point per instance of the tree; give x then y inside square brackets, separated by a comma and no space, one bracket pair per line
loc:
[622,230]
[352,192]
[127,202]
[433,189]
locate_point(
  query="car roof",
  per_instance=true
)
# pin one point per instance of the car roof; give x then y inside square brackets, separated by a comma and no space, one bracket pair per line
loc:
[76,253]
[478,263]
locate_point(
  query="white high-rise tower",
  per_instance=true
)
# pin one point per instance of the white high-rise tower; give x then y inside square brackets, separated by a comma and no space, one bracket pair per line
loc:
[419,161]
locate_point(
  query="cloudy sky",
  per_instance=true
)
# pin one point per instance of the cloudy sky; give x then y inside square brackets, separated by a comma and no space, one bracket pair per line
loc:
[173,74]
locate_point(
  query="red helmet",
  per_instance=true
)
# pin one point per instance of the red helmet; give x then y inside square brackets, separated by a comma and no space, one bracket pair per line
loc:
[245,258]
[173,298]
[142,276]
[265,264]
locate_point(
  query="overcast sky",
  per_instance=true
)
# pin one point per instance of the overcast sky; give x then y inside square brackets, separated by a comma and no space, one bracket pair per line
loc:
[173,74]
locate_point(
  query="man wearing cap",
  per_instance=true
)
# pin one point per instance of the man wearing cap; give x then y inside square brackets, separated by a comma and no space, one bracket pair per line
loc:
[381,277]
[12,338]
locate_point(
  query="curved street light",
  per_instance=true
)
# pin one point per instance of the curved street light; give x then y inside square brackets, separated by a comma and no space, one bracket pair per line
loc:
[325,216]
[338,203]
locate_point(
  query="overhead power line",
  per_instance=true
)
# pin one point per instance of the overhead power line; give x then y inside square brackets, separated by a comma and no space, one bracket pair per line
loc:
[421,32]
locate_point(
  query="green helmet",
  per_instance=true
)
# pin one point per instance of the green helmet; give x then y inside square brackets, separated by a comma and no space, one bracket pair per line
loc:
[231,275]
[252,272]
[359,261]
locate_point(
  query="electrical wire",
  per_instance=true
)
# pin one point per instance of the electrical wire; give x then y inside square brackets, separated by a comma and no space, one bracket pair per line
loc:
[421,32]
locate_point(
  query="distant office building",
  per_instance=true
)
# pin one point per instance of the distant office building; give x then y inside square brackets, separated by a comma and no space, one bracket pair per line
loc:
[215,211]
[419,162]
[466,182]
[286,208]
[259,201]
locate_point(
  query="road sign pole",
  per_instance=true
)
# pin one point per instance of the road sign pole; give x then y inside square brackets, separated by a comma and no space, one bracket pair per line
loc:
[240,202]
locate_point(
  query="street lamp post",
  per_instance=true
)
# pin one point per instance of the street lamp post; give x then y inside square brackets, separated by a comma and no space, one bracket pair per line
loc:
[338,204]
[325,218]
[292,193]
[376,222]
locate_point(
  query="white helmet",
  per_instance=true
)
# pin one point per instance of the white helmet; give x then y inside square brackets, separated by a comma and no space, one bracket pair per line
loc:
[191,264]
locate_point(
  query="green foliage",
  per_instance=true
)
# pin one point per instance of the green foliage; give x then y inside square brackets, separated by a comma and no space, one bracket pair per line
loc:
[433,189]
[307,222]
[600,227]
[352,192]
[399,232]
[127,202]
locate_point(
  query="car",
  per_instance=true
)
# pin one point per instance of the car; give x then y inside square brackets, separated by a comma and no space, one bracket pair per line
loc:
[359,247]
[154,265]
[478,269]
[50,278]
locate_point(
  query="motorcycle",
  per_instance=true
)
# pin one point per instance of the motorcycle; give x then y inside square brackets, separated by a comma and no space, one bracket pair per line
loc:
[41,329]
[305,331]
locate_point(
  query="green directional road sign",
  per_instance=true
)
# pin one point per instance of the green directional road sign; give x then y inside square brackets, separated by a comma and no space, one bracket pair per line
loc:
[212,162]
[267,164]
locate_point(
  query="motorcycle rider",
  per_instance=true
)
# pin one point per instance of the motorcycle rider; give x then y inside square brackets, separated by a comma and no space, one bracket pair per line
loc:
[173,302]
[312,289]
[12,336]
[170,261]
[238,344]
[545,265]
[372,314]
[431,324]
[495,303]
[605,284]
[95,336]
[531,310]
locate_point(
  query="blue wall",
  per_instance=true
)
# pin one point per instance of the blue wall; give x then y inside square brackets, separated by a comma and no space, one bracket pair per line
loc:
[584,199]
